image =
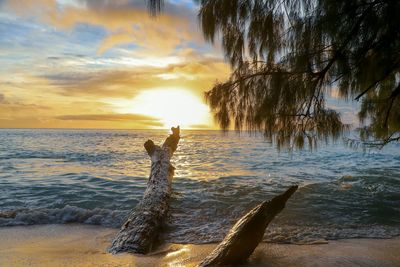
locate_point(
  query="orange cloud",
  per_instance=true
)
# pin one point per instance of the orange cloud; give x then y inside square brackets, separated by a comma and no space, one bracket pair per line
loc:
[197,76]
[107,117]
[125,22]
[63,83]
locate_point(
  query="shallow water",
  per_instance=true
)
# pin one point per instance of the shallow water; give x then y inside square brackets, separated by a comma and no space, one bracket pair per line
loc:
[97,176]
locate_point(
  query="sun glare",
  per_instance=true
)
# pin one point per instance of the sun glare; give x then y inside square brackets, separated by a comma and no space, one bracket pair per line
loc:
[172,106]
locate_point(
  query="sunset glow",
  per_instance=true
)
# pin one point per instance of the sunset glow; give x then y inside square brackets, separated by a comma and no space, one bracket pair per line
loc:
[171,106]
[70,64]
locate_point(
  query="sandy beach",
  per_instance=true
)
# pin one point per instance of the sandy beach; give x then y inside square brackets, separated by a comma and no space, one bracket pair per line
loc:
[85,245]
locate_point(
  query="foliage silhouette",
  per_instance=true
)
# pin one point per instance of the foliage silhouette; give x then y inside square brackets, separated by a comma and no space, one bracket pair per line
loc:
[288,55]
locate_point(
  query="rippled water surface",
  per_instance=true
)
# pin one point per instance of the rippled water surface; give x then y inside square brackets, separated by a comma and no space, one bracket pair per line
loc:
[97,176]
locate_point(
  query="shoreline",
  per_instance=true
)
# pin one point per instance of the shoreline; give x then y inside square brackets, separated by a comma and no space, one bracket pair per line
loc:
[85,245]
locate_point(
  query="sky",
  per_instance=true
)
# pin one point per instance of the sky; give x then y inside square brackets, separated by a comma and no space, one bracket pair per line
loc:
[108,64]
[104,64]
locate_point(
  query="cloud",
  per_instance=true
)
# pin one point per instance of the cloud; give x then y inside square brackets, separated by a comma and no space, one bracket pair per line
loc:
[125,22]
[65,61]
[348,110]
[107,117]
[17,114]
[115,39]
[197,76]
[105,83]
[138,120]
[15,108]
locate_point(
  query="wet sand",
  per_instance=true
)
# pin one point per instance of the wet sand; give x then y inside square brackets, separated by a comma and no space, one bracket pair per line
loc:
[85,245]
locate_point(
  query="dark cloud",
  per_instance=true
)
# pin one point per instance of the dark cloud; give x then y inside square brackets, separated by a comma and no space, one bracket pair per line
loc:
[169,7]
[74,55]
[67,78]
[17,106]
[108,83]
[107,4]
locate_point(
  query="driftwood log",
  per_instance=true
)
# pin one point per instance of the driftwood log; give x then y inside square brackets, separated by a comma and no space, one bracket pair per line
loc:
[247,233]
[140,231]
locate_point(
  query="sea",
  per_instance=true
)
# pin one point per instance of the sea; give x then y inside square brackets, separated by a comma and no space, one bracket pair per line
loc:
[56,176]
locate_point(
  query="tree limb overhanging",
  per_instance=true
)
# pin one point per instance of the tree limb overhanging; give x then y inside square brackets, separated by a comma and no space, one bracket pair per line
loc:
[349,46]
[288,56]
[140,231]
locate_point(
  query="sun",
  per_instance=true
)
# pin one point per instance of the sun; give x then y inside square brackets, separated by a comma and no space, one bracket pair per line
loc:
[172,106]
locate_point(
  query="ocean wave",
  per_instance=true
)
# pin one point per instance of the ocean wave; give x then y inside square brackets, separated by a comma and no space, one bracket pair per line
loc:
[64,156]
[96,177]
[67,214]
[289,234]
[33,155]
[195,234]
[309,234]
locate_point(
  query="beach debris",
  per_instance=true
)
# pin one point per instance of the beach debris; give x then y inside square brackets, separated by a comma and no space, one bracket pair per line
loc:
[247,233]
[140,231]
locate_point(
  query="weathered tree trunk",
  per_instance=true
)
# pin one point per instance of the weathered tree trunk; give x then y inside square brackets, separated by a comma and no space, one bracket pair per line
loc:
[141,229]
[247,233]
